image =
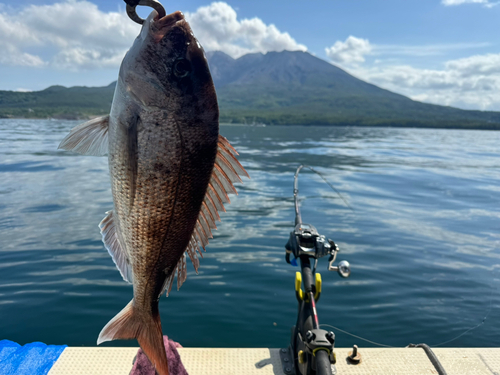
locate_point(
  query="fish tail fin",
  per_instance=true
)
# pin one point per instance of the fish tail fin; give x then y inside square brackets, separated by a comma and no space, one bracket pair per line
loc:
[146,328]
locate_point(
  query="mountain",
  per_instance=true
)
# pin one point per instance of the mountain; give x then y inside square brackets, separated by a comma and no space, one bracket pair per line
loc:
[274,88]
[298,88]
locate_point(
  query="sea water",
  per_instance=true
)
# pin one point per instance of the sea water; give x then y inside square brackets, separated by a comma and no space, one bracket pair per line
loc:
[422,238]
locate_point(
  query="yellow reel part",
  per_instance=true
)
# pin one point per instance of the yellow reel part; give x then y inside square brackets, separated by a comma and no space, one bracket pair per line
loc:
[298,283]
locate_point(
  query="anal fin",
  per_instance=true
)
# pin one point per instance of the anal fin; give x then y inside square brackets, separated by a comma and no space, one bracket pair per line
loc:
[181,271]
[113,245]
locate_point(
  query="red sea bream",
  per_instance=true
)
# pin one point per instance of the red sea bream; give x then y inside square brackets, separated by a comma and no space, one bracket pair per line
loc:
[170,171]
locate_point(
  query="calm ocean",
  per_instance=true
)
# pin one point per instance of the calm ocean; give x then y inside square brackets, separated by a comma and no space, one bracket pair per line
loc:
[423,239]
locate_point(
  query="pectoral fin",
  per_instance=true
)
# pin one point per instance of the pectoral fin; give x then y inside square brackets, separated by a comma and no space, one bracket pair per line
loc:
[89,138]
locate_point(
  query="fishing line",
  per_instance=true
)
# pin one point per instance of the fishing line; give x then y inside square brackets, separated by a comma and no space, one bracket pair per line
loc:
[472,328]
[441,343]
[358,337]
[327,182]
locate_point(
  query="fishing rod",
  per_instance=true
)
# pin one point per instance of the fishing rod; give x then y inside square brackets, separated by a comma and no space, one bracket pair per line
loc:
[296,190]
[310,351]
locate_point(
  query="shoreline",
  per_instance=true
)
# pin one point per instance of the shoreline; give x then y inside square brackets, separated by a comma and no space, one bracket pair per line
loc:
[491,127]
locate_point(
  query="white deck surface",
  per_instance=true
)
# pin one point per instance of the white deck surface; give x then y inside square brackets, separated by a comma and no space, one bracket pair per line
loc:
[209,361]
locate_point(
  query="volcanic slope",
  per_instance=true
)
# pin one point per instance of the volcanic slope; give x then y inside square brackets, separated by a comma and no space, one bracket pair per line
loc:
[298,88]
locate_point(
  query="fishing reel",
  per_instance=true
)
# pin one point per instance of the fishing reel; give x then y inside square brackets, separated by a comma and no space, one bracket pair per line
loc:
[305,240]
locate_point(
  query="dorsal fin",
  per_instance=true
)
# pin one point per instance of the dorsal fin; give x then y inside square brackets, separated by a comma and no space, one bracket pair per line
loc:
[89,138]
[226,171]
[113,245]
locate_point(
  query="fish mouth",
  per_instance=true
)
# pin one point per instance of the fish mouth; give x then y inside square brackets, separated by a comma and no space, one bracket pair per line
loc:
[162,26]
[169,20]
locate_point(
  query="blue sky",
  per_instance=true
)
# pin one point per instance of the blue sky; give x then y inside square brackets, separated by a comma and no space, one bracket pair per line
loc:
[439,51]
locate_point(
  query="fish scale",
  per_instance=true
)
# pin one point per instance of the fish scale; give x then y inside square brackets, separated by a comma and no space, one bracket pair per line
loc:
[154,197]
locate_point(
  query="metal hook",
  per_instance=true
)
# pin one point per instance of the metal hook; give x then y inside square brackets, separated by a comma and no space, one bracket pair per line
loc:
[150,3]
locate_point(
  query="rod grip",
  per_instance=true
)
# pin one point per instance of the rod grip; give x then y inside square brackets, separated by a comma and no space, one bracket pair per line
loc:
[323,366]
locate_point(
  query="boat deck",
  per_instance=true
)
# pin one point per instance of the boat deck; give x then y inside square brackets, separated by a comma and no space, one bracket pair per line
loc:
[210,361]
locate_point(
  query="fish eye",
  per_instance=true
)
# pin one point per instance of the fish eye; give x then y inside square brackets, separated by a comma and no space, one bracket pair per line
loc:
[182,68]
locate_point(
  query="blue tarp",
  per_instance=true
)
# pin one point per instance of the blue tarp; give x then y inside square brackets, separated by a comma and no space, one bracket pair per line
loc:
[31,359]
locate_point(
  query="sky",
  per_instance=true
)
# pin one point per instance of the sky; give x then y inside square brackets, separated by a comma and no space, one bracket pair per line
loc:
[444,52]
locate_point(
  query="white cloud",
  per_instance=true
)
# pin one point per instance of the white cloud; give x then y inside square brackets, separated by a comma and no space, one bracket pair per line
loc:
[11,55]
[486,3]
[12,34]
[458,2]
[424,50]
[471,82]
[351,51]
[218,28]
[74,58]
[76,35]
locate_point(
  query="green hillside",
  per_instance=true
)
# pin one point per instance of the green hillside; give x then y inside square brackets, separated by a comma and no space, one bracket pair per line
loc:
[275,88]
[57,102]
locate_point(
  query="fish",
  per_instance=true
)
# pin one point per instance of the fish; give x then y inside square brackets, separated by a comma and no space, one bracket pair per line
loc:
[171,172]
